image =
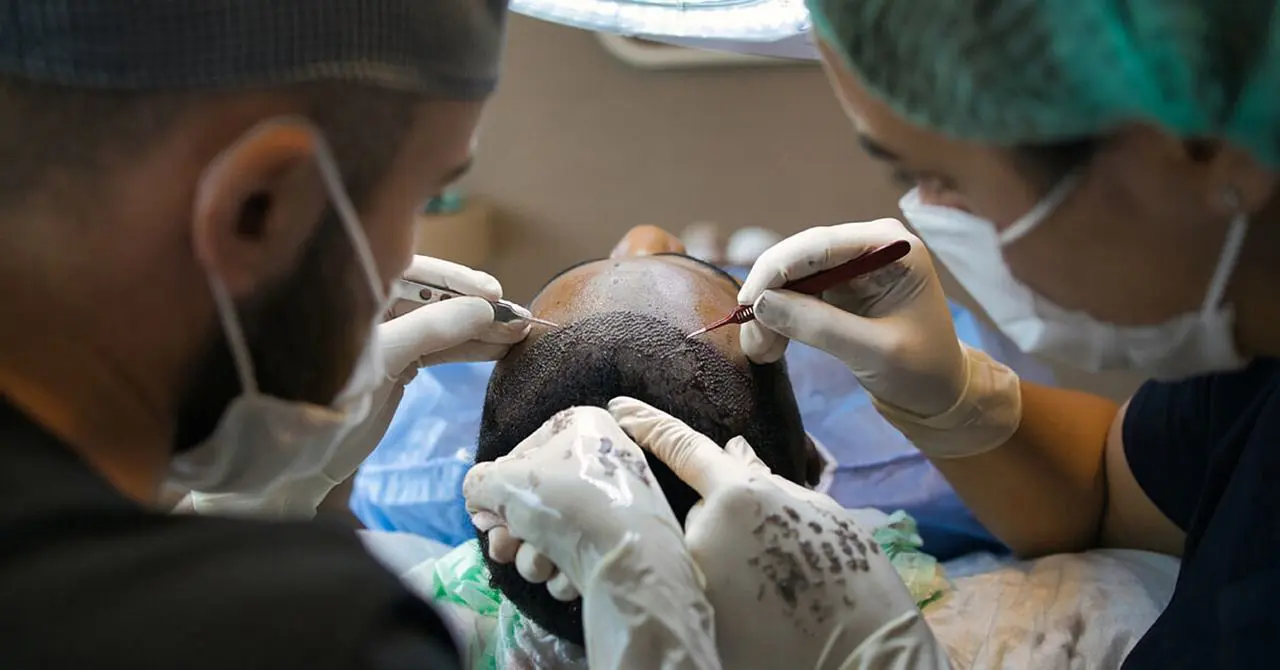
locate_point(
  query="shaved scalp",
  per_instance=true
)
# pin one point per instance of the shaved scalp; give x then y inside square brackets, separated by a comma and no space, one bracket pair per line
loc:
[592,361]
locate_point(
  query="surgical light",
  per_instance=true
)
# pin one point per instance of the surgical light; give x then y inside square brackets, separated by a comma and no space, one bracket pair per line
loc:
[744,20]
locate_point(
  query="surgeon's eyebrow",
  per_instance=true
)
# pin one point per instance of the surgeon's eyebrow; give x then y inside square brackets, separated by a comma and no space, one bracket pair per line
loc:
[877,150]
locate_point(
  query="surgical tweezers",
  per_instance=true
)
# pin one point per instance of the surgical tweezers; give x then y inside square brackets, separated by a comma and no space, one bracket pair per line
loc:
[504,311]
[815,284]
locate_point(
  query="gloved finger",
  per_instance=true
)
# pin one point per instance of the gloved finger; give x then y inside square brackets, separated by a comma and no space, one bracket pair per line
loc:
[808,319]
[694,515]
[820,500]
[493,494]
[460,278]
[692,456]
[501,332]
[533,565]
[503,546]
[760,344]
[485,521]
[562,589]
[485,493]
[740,449]
[471,352]
[432,328]
[815,250]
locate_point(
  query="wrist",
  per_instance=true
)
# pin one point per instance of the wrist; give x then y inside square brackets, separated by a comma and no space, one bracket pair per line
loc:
[985,416]
[904,641]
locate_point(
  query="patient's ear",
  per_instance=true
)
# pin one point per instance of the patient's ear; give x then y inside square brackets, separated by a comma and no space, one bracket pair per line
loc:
[647,241]
[813,462]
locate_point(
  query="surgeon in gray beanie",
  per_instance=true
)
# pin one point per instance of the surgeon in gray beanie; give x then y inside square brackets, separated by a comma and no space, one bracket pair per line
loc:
[205,204]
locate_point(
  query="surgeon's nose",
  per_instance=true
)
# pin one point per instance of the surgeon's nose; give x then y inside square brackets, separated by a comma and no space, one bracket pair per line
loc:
[647,241]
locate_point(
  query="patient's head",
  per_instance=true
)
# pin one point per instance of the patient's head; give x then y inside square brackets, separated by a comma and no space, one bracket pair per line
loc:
[625,321]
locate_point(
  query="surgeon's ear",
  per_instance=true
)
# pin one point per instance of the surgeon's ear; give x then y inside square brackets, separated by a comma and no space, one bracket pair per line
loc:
[258,204]
[1233,172]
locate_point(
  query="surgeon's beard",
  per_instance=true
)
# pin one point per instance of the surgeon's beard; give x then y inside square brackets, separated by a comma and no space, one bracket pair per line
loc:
[304,335]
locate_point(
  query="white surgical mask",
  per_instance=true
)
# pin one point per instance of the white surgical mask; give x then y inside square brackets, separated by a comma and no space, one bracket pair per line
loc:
[1184,346]
[261,441]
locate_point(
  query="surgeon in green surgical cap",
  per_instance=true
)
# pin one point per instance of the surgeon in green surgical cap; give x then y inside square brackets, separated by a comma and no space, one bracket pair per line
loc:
[1101,177]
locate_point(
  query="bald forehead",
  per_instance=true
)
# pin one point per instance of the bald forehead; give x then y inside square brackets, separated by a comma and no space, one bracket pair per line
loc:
[674,289]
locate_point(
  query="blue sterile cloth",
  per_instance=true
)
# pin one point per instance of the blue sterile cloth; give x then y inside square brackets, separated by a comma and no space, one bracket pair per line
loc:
[413,480]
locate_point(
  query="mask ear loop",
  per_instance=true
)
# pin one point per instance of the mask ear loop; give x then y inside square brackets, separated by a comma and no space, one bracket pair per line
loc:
[1232,246]
[347,214]
[235,335]
[341,201]
[1029,221]
[350,218]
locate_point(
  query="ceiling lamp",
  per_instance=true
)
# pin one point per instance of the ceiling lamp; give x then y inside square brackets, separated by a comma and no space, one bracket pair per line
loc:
[742,20]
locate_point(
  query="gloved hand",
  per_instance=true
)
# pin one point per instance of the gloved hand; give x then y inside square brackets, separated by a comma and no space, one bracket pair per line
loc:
[795,581]
[579,492]
[893,329]
[413,337]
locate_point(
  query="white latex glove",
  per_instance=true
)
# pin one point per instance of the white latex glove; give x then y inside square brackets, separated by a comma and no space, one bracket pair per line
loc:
[578,491]
[414,336]
[893,329]
[795,581]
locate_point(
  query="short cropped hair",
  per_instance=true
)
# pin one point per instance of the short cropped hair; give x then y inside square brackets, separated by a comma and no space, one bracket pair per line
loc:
[592,361]
[55,136]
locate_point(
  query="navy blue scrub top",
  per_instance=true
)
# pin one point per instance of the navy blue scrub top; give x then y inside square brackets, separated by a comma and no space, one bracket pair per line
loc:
[1207,453]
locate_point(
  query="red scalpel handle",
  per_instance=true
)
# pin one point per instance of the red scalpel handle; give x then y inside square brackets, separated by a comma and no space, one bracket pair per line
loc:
[862,265]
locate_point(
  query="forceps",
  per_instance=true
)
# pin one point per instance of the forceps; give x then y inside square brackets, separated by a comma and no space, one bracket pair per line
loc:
[817,283]
[504,311]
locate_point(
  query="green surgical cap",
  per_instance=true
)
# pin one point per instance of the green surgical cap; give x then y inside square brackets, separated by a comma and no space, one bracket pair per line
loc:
[1016,72]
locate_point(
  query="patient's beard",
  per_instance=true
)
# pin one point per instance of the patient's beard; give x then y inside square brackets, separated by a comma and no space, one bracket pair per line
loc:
[303,334]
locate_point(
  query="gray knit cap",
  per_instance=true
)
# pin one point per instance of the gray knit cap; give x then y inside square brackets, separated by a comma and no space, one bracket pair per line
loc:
[445,49]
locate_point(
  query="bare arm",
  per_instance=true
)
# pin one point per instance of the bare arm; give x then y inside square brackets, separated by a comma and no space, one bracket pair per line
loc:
[1062,483]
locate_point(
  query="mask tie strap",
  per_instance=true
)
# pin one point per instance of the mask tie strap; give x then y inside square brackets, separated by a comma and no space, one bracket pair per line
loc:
[1232,247]
[347,214]
[1032,219]
[235,335]
[327,164]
